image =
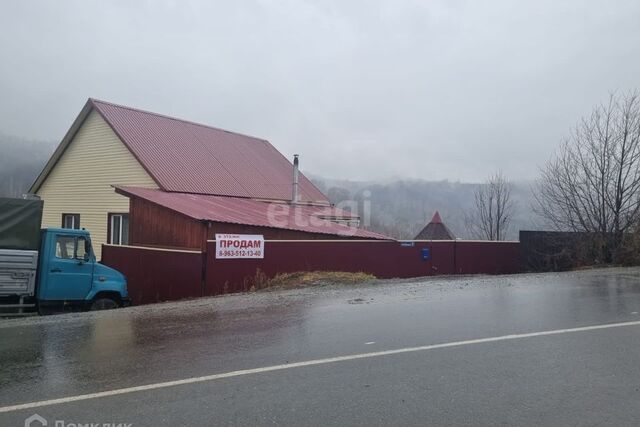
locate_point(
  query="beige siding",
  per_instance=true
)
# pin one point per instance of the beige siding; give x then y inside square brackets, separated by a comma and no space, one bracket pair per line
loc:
[81,181]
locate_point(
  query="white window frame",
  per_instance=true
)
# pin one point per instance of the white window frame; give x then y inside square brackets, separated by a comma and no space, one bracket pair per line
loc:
[73,217]
[112,228]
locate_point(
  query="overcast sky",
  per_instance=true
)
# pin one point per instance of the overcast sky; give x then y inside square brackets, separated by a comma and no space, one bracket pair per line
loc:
[362,90]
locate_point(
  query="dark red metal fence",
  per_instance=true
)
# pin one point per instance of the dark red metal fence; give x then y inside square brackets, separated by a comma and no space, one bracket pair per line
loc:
[156,275]
[484,257]
[384,259]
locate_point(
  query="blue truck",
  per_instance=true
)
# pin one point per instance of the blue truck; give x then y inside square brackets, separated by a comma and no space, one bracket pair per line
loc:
[53,269]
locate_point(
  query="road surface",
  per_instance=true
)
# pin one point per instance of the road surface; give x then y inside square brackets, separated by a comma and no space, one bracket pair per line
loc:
[535,349]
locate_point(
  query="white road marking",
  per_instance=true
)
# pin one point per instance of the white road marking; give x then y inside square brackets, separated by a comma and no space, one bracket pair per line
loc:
[239,373]
[369,343]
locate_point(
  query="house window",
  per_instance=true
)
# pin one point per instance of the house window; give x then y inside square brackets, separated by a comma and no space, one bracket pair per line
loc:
[71,221]
[118,229]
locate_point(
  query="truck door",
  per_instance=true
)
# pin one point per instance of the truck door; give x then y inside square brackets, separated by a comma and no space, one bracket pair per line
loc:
[70,275]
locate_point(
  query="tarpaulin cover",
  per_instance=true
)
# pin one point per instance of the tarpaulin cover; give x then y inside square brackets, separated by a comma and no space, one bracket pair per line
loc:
[20,223]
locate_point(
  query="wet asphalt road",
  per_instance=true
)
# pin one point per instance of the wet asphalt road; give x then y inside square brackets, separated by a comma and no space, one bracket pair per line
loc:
[579,378]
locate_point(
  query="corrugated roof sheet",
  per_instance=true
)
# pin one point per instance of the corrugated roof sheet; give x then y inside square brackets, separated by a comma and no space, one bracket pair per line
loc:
[188,157]
[252,212]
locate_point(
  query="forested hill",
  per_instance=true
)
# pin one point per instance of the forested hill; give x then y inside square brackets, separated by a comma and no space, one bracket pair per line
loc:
[400,208]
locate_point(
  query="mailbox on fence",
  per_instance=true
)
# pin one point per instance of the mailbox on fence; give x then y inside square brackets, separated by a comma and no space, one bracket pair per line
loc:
[426,255]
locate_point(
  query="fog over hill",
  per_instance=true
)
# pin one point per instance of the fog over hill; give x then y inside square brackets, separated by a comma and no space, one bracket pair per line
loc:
[399,208]
[20,162]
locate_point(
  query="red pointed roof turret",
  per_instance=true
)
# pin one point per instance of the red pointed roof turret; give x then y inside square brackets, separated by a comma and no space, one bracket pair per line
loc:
[435,230]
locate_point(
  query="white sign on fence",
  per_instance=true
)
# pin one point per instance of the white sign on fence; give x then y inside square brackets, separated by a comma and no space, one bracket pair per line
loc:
[239,246]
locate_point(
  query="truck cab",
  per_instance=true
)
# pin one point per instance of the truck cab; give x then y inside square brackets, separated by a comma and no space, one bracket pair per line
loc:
[51,268]
[69,275]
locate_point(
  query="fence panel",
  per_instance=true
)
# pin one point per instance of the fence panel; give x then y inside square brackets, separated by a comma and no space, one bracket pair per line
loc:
[155,275]
[383,259]
[558,250]
[484,257]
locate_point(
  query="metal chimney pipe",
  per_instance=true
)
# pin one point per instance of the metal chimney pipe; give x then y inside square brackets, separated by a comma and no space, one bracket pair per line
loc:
[294,197]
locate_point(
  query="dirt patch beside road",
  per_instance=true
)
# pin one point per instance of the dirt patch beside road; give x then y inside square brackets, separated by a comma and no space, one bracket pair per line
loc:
[315,278]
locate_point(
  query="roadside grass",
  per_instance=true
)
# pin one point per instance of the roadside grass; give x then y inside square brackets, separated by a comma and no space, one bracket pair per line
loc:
[311,278]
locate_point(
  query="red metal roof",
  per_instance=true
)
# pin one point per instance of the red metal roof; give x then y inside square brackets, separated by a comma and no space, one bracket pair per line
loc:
[252,212]
[183,156]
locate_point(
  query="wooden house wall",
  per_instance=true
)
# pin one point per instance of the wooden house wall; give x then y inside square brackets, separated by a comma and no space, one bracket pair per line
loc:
[153,225]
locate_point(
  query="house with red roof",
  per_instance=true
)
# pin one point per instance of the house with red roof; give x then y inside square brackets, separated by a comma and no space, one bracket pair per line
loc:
[140,178]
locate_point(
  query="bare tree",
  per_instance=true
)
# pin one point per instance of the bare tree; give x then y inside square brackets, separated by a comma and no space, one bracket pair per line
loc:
[592,184]
[493,209]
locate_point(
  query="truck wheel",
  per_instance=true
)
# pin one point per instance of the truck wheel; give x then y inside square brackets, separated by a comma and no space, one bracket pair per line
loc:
[104,304]
[45,311]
